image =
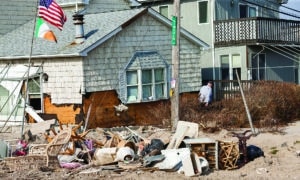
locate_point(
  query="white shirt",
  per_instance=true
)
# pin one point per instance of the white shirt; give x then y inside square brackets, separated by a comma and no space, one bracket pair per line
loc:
[205,94]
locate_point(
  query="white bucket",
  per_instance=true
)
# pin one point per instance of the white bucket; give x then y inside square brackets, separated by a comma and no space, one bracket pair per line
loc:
[125,154]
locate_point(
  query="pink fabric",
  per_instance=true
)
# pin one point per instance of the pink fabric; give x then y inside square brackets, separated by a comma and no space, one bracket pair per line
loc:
[71,165]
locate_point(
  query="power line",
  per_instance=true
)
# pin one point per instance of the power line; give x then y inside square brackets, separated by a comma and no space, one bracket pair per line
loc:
[292,15]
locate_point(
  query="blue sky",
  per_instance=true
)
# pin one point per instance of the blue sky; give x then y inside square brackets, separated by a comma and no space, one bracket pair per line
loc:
[295,4]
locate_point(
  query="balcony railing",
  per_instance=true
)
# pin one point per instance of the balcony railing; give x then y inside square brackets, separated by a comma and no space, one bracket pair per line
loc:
[229,89]
[256,30]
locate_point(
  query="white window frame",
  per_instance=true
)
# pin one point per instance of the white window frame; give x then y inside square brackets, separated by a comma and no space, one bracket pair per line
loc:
[139,95]
[198,6]
[231,65]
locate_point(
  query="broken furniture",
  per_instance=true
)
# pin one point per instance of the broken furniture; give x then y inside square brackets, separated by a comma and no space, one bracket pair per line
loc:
[228,155]
[55,146]
[35,160]
[243,145]
[204,147]
[183,129]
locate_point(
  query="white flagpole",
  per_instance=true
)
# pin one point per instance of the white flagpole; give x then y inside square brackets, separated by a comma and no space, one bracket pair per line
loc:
[28,72]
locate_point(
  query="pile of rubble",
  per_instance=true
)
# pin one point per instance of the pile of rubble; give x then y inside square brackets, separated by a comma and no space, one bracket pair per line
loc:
[123,148]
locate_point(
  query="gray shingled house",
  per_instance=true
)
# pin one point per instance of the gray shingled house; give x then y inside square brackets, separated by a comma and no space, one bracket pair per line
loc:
[104,60]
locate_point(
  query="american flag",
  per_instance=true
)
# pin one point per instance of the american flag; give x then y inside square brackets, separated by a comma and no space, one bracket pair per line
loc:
[51,12]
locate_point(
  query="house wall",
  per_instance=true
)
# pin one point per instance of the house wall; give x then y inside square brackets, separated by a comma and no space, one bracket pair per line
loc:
[103,112]
[189,20]
[64,86]
[279,68]
[102,66]
[65,82]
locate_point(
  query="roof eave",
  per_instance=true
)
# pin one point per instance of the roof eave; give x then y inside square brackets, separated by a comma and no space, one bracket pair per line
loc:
[43,56]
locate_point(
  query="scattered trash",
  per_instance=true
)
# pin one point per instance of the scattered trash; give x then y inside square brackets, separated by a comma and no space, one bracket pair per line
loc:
[254,152]
[261,171]
[298,153]
[124,148]
[125,154]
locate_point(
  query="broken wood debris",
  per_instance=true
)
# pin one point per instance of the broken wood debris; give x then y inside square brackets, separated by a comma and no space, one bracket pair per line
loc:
[127,148]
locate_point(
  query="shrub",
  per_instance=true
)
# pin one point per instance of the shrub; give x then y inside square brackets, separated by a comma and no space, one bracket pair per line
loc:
[270,104]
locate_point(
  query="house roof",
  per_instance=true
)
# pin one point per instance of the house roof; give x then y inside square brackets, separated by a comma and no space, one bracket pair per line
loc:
[15,13]
[98,29]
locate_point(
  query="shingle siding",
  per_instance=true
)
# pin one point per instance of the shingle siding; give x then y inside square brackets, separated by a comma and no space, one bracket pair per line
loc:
[65,80]
[144,34]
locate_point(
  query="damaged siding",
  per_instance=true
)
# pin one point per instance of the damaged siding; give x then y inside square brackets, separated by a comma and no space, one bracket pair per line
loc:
[65,80]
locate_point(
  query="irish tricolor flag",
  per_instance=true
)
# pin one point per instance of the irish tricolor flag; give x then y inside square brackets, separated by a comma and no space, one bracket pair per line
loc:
[42,30]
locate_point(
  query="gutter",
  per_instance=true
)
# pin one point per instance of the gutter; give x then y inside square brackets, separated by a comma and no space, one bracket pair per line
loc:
[43,56]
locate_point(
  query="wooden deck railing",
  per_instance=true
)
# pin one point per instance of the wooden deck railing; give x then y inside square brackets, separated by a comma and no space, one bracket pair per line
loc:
[256,30]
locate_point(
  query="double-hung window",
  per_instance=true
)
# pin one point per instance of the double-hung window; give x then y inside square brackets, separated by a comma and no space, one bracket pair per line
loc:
[231,67]
[144,78]
[146,84]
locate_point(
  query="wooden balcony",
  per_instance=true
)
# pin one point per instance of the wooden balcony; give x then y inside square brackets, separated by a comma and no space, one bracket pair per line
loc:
[249,31]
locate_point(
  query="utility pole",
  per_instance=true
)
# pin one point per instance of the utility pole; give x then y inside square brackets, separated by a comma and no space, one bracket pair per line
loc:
[175,65]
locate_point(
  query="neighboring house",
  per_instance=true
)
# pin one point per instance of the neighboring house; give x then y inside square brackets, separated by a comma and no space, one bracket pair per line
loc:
[246,36]
[122,56]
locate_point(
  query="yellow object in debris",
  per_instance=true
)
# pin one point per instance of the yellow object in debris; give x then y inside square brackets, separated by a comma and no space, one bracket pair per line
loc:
[171,92]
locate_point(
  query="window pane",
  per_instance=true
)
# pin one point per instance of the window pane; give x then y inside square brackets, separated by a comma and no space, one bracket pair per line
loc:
[234,73]
[243,11]
[225,73]
[252,12]
[159,75]
[225,67]
[225,61]
[254,67]
[147,92]
[132,78]
[132,93]
[203,12]
[34,85]
[159,90]
[262,65]
[236,61]
[146,76]
[163,10]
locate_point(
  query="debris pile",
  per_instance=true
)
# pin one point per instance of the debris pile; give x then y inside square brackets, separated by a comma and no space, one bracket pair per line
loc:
[123,148]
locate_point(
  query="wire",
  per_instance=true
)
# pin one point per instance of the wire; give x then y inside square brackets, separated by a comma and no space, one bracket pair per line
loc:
[295,16]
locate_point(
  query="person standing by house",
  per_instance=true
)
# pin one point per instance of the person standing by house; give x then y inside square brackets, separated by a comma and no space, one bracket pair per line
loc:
[205,94]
